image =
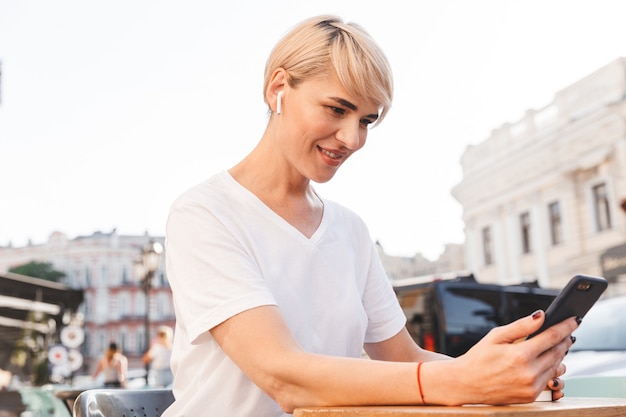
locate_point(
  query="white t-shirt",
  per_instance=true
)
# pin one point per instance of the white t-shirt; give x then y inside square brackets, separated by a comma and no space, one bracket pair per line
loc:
[227,252]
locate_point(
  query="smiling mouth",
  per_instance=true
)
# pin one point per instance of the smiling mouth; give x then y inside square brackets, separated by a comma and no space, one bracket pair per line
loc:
[330,154]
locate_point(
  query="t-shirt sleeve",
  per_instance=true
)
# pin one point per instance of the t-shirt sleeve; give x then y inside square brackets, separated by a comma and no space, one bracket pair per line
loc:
[211,274]
[385,316]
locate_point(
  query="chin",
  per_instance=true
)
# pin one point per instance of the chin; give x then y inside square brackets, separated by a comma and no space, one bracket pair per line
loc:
[321,179]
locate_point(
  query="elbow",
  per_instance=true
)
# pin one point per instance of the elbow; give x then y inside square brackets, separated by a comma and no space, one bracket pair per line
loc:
[287,404]
[284,394]
[280,392]
[287,408]
[290,384]
[290,396]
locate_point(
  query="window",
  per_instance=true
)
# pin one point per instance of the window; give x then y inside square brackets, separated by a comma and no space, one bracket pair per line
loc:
[470,309]
[124,304]
[104,274]
[124,339]
[601,207]
[487,246]
[140,304]
[113,306]
[556,224]
[140,335]
[524,220]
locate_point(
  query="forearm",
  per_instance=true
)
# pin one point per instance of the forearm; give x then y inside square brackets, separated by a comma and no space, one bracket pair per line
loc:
[303,379]
[293,377]
[314,380]
[499,374]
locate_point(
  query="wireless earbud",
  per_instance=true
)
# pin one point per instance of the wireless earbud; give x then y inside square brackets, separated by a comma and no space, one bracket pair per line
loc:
[279,102]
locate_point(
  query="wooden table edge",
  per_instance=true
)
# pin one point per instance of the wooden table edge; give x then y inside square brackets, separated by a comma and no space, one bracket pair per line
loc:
[584,407]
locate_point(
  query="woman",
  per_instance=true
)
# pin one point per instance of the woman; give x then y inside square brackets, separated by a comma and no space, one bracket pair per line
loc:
[278,291]
[114,365]
[158,358]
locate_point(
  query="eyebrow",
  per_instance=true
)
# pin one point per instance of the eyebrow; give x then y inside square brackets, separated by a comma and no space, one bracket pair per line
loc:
[351,106]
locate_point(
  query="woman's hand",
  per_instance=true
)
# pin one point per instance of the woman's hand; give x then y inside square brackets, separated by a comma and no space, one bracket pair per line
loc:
[556,384]
[504,367]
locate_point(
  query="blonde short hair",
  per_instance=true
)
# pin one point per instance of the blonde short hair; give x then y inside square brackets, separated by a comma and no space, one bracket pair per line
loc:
[165,331]
[325,43]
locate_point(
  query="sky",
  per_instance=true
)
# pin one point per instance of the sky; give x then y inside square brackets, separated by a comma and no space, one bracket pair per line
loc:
[109,110]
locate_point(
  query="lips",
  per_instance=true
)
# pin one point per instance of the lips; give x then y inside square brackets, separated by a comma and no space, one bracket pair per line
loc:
[330,154]
[331,158]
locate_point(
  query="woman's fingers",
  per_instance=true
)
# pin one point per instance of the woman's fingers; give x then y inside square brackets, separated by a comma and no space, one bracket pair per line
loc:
[530,365]
[518,330]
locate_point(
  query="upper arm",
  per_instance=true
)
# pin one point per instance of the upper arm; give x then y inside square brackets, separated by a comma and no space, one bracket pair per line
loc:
[201,248]
[260,343]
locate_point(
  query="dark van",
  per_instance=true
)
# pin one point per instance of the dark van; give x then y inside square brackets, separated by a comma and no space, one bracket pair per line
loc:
[449,314]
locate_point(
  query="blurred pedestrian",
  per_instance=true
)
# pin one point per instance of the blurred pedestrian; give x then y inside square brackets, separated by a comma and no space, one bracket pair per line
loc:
[114,366]
[158,358]
[5,379]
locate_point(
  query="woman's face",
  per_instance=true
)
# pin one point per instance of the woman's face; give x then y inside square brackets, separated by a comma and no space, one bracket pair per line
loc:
[322,125]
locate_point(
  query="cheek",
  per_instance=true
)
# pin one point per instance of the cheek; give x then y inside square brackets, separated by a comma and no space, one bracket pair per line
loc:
[317,129]
[309,124]
[362,139]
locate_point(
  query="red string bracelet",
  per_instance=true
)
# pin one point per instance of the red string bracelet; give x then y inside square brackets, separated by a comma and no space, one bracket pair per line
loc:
[419,382]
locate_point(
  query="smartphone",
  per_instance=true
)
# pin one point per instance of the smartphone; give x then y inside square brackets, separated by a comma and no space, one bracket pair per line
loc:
[575,299]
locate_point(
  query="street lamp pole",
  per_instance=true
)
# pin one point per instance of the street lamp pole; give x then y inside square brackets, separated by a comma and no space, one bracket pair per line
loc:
[146,267]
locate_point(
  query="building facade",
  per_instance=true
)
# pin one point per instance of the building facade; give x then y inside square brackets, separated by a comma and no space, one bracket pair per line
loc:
[398,267]
[542,198]
[114,307]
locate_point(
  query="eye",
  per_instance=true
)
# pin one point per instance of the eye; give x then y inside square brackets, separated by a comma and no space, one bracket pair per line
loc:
[366,122]
[337,110]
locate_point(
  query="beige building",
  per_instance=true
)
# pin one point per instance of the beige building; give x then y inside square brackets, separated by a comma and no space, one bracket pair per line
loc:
[102,265]
[542,197]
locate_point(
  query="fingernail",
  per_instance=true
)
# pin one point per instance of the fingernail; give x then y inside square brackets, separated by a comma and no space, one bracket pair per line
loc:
[579,320]
[572,338]
[536,314]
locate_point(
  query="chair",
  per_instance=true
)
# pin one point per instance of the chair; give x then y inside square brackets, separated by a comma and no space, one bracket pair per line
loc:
[122,402]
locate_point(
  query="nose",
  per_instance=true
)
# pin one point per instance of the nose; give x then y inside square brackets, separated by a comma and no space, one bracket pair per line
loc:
[352,135]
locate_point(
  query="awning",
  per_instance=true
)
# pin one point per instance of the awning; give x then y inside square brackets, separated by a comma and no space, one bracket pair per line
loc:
[21,299]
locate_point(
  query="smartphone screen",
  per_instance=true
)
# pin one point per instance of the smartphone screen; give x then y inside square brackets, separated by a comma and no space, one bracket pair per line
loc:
[575,300]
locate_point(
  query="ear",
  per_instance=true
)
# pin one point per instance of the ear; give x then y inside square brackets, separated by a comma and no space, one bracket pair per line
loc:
[277,84]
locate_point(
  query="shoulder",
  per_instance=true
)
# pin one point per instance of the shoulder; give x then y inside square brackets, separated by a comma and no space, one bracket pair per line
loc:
[205,200]
[206,192]
[121,358]
[344,215]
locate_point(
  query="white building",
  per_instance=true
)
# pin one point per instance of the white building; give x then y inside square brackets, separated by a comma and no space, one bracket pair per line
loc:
[542,197]
[102,265]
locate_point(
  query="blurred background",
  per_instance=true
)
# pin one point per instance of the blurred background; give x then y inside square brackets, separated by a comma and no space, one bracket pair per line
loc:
[504,154]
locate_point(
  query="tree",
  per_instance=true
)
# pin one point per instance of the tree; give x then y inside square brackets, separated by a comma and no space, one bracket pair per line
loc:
[43,270]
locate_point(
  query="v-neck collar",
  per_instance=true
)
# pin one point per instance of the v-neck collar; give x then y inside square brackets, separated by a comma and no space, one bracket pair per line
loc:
[275,217]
